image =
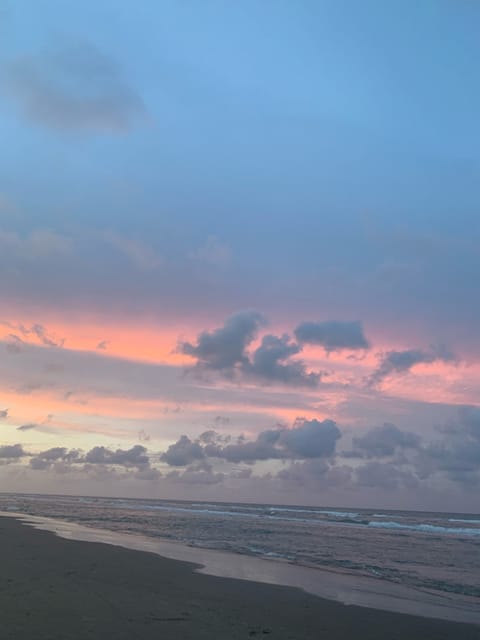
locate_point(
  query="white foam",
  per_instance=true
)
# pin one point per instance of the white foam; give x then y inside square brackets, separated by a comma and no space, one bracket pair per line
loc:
[269,513]
[337,514]
[425,528]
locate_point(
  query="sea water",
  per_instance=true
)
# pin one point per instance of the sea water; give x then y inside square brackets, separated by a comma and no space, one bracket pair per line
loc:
[434,553]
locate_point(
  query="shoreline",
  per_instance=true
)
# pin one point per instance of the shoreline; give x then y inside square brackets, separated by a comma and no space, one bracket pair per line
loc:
[52,588]
[334,586]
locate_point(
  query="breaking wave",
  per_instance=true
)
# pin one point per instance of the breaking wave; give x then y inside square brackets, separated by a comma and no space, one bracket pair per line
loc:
[425,528]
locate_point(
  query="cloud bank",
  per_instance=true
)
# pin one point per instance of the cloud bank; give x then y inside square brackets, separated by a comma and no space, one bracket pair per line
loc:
[400,362]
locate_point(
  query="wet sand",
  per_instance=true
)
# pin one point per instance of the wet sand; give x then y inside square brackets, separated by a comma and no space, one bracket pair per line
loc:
[57,589]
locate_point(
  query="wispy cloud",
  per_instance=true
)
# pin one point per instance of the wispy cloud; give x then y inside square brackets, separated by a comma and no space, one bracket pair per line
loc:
[38,332]
[141,255]
[27,427]
[213,252]
[74,87]
[400,362]
[35,245]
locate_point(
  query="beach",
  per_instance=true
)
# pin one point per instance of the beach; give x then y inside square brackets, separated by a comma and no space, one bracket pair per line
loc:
[57,589]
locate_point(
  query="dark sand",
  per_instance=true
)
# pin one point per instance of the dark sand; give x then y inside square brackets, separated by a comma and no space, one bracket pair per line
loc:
[57,589]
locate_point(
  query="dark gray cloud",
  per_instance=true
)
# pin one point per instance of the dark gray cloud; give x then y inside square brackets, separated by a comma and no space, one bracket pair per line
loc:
[398,362]
[306,452]
[99,462]
[263,448]
[34,425]
[270,362]
[12,452]
[59,453]
[134,457]
[39,464]
[73,88]
[306,439]
[45,459]
[183,452]
[383,441]
[3,413]
[309,447]
[224,348]
[334,335]
[27,427]
[310,438]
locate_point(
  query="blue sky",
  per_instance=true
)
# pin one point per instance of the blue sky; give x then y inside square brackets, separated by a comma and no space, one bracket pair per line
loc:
[168,164]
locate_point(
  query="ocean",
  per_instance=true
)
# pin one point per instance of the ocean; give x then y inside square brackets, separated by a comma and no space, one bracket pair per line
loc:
[433,553]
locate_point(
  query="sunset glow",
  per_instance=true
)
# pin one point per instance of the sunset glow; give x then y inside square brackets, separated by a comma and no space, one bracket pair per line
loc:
[240,263]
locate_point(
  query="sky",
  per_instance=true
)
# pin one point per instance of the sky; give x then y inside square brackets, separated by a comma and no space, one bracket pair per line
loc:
[239,251]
